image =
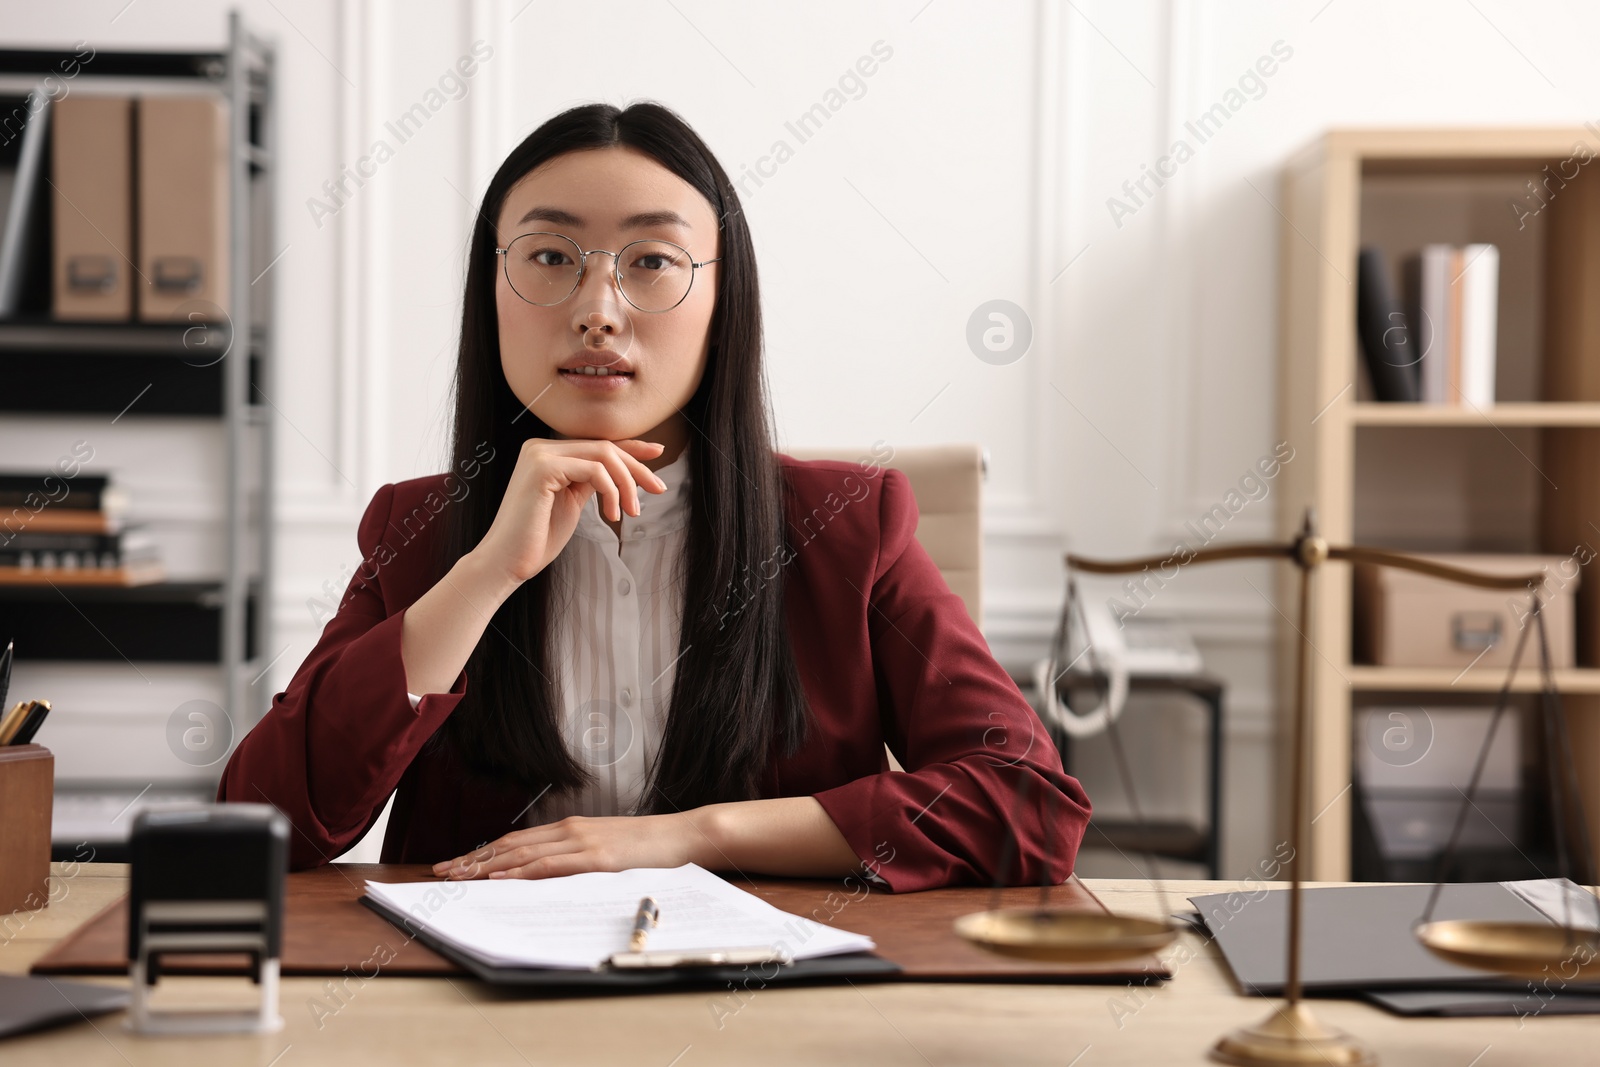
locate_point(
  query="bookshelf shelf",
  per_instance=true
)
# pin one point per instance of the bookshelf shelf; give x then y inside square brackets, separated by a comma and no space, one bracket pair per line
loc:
[1526,414]
[1367,678]
[177,340]
[1522,475]
[163,622]
[207,66]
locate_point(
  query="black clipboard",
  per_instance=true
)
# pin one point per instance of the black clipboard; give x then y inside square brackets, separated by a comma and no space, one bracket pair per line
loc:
[820,968]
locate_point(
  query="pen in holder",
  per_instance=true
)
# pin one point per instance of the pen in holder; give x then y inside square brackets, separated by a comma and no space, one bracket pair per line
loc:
[27,790]
[207,880]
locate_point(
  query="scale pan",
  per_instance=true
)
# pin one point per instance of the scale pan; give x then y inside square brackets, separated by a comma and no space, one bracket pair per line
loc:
[1064,936]
[1523,950]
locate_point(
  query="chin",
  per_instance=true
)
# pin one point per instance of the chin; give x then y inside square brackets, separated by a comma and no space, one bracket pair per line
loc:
[592,426]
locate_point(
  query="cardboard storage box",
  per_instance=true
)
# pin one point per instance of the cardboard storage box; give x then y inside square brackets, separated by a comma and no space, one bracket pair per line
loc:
[1404,619]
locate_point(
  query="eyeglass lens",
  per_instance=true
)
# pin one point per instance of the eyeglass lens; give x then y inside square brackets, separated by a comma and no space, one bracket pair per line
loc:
[543,269]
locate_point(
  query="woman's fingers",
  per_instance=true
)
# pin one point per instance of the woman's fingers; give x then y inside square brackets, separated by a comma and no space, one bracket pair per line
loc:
[622,459]
[625,477]
[546,469]
[642,449]
[476,862]
[643,475]
[548,867]
[634,452]
[627,472]
[521,856]
[575,471]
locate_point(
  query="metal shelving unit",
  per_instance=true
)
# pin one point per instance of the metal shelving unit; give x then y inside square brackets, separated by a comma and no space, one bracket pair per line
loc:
[66,369]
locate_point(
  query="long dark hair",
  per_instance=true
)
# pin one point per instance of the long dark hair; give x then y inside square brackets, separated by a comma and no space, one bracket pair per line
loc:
[736,694]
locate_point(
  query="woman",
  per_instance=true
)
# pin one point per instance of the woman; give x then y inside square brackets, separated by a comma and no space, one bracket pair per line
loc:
[681,645]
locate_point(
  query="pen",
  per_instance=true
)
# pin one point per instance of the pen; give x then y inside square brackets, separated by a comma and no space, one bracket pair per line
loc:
[647,916]
[31,721]
[13,719]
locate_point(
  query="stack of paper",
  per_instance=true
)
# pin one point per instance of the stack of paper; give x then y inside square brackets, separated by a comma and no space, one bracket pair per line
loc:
[579,920]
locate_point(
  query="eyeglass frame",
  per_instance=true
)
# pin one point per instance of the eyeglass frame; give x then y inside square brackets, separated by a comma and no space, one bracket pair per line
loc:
[616,268]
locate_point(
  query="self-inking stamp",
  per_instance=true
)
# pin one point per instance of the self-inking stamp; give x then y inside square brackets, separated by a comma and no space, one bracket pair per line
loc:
[207,880]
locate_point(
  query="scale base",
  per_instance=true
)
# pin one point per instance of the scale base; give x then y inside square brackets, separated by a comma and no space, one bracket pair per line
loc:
[1291,1034]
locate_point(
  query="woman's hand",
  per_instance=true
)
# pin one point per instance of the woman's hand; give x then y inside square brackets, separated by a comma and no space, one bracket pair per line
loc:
[791,837]
[552,481]
[578,844]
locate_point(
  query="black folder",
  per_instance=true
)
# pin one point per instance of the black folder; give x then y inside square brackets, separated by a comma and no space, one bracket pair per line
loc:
[1474,1003]
[1358,941]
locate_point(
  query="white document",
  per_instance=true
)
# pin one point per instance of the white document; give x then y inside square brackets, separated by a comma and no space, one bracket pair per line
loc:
[577,921]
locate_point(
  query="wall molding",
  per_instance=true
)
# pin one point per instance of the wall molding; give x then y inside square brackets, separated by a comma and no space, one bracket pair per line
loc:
[1024,532]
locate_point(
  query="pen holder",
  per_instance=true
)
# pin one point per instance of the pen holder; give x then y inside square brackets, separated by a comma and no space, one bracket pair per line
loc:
[27,790]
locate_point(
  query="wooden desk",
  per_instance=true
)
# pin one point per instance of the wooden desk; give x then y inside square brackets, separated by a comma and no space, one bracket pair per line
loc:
[460,1021]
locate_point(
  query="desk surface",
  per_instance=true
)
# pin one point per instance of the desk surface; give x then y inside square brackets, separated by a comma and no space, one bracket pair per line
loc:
[454,1021]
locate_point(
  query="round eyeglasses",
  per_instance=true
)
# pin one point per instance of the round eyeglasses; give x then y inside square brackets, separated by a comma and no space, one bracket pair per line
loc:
[652,275]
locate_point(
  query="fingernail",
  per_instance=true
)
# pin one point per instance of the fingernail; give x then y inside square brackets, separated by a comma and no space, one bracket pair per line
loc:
[497,874]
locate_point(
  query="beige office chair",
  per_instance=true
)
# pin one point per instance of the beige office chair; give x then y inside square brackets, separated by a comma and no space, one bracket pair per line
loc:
[947,481]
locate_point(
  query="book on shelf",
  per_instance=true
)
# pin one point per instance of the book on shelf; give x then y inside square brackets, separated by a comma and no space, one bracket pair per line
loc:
[127,557]
[1386,339]
[50,502]
[1456,291]
[61,520]
[50,490]
[69,531]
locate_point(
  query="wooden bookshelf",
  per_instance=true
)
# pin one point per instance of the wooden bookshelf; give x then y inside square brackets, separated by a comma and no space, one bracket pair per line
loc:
[1522,475]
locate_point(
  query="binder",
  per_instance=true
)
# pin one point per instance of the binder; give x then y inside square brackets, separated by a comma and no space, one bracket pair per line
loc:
[23,214]
[183,208]
[92,216]
[1386,337]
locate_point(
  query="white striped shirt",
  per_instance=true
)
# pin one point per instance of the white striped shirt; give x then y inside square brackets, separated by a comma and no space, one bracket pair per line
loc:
[620,603]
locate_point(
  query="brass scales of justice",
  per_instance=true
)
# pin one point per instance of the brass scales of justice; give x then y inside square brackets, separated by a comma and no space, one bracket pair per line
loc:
[1291,1034]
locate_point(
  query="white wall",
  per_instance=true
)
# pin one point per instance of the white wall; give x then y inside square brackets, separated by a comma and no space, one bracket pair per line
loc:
[976,164]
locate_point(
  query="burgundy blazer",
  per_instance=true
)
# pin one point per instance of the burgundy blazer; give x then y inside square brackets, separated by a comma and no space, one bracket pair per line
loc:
[886,652]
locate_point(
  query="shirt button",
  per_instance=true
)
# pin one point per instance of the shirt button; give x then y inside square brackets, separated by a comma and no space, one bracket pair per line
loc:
[627,698]
[624,586]
[638,531]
